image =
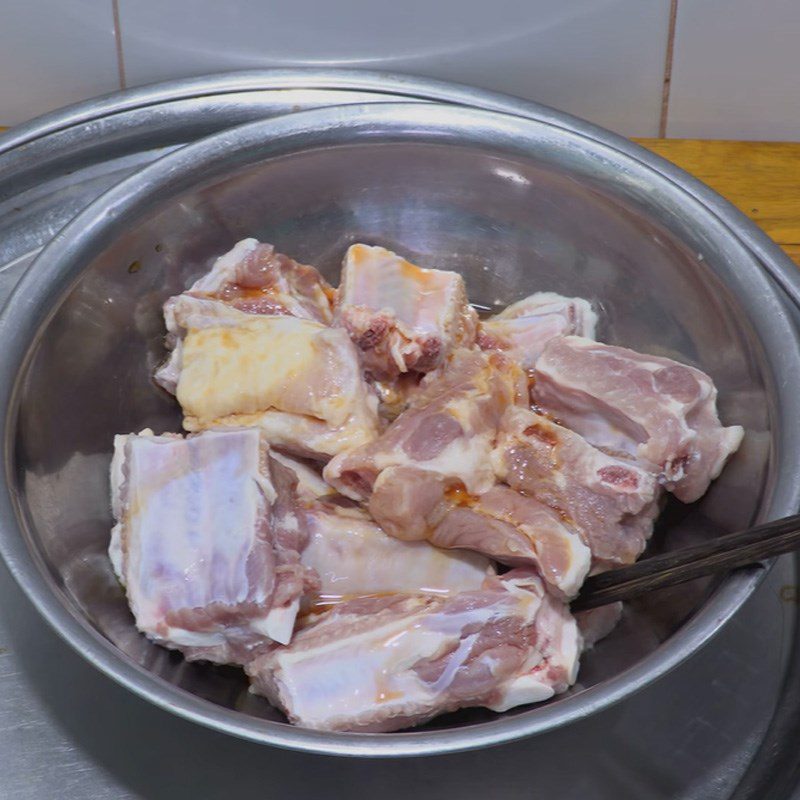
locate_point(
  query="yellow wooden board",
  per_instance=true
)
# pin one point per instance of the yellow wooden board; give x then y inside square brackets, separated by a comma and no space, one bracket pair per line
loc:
[761,178]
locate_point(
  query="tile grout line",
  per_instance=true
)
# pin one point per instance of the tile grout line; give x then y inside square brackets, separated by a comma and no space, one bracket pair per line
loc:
[673,14]
[118,45]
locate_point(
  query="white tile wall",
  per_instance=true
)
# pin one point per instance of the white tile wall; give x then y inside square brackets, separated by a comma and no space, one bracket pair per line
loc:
[736,64]
[54,52]
[736,70]
[600,59]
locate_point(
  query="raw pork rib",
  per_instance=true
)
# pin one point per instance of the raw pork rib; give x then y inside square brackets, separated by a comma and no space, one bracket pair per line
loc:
[524,328]
[430,475]
[208,542]
[500,523]
[251,278]
[448,432]
[515,530]
[611,501]
[384,663]
[297,380]
[354,558]
[654,409]
[255,279]
[402,317]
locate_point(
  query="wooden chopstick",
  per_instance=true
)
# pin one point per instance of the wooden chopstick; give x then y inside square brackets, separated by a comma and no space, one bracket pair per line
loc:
[668,569]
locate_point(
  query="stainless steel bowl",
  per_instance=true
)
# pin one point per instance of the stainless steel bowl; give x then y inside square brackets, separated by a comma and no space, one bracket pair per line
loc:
[516,205]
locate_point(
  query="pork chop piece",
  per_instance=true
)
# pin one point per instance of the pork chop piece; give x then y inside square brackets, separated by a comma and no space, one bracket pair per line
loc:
[653,409]
[355,558]
[448,431]
[430,475]
[524,328]
[500,523]
[300,382]
[182,314]
[251,279]
[386,663]
[207,542]
[401,317]
[612,502]
[255,279]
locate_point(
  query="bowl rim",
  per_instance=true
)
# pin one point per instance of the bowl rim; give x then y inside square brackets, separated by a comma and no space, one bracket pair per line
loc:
[399,86]
[43,287]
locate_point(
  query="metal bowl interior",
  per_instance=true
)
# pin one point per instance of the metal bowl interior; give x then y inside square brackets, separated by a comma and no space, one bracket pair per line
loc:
[516,206]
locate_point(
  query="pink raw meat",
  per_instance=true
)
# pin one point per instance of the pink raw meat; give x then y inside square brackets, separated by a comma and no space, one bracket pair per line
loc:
[208,542]
[249,279]
[524,328]
[653,409]
[611,501]
[385,663]
[402,317]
